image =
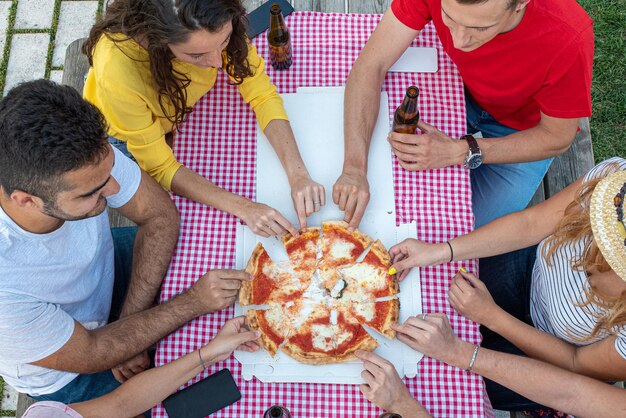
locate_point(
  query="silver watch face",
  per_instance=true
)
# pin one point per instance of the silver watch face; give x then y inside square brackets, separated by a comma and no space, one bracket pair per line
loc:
[474,161]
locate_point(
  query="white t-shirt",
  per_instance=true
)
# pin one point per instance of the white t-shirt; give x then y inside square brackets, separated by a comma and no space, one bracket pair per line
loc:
[556,291]
[49,280]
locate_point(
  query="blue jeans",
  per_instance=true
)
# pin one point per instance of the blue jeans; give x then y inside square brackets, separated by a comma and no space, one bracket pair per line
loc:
[499,189]
[508,278]
[121,146]
[90,386]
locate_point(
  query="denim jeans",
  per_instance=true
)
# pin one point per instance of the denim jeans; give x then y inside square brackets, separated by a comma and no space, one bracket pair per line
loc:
[90,386]
[508,278]
[499,189]
[121,146]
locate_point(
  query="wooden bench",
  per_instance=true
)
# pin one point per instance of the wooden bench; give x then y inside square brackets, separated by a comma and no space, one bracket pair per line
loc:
[564,170]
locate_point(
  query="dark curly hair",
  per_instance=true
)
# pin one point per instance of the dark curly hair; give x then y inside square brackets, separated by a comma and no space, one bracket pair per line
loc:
[47,130]
[164,22]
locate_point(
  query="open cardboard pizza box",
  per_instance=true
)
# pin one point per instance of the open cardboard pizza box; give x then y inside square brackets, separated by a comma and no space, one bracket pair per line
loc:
[316,117]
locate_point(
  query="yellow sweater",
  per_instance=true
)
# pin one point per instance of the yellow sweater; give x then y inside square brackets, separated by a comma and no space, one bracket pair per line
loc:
[121,86]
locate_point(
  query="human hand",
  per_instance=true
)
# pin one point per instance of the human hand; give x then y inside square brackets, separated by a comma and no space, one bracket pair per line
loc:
[266,221]
[217,289]
[351,193]
[382,384]
[432,149]
[413,253]
[131,367]
[430,334]
[234,335]
[308,196]
[470,297]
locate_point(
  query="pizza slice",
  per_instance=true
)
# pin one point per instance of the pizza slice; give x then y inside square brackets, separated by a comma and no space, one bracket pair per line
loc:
[340,247]
[271,282]
[275,324]
[370,278]
[377,315]
[303,250]
[313,341]
[349,337]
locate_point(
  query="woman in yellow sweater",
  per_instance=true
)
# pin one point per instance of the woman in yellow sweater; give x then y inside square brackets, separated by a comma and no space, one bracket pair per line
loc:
[151,60]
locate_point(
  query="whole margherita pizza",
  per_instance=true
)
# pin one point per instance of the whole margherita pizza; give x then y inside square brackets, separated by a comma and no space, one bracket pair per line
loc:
[317,302]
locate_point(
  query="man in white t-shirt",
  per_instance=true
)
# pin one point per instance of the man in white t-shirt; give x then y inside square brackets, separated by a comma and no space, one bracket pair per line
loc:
[59,261]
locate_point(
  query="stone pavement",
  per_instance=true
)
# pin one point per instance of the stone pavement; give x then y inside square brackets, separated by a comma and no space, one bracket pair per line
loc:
[33,37]
[35,33]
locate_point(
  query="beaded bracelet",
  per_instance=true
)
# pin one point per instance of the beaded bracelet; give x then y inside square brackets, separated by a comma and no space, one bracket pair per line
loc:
[469,368]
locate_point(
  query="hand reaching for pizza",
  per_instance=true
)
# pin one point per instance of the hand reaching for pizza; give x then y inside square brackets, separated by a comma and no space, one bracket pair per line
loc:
[218,289]
[384,387]
[432,335]
[308,196]
[266,221]
[413,253]
[234,335]
[471,298]
[351,193]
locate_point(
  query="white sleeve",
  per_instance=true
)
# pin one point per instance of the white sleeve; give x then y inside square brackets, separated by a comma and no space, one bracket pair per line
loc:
[128,174]
[620,342]
[31,329]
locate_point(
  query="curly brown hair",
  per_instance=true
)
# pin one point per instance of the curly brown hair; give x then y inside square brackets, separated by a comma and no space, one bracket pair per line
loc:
[164,22]
[576,225]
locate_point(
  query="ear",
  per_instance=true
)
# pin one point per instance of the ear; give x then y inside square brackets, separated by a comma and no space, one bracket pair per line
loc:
[521,4]
[26,200]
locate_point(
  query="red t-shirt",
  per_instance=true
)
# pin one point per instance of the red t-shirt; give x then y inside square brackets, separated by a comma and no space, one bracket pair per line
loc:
[543,64]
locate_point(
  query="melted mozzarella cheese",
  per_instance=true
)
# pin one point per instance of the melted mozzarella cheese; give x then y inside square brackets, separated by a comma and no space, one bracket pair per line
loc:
[341,249]
[276,319]
[365,310]
[323,337]
[366,276]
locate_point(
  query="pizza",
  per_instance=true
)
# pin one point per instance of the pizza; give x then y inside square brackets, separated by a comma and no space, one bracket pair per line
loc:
[313,306]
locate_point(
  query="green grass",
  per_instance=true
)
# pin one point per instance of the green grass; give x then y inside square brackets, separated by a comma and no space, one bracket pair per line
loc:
[608,123]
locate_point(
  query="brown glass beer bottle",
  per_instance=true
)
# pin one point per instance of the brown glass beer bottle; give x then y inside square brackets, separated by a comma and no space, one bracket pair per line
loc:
[407,115]
[279,40]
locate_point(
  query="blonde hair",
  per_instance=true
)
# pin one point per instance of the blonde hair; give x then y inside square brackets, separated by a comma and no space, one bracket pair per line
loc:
[574,226]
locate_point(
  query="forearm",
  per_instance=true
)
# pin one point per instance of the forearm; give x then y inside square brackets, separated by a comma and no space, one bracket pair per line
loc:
[361,106]
[537,143]
[544,383]
[152,252]
[145,390]
[106,347]
[410,408]
[191,185]
[535,343]
[280,136]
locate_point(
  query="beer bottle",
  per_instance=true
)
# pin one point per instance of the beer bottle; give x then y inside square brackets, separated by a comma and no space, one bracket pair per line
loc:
[407,115]
[279,40]
[277,411]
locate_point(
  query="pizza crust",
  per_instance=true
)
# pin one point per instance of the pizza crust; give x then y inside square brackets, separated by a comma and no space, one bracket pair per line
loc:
[245,291]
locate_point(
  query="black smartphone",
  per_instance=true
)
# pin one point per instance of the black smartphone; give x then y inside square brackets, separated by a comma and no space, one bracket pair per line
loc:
[259,18]
[204,397]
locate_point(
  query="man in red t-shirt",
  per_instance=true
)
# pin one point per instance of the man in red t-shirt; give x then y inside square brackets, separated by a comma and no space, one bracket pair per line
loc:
[526,65]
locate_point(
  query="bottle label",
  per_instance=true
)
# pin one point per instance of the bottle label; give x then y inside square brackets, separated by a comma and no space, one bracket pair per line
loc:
[280,56]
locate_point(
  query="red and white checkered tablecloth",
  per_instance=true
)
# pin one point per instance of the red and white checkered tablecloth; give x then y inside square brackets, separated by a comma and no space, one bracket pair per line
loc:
[219,142]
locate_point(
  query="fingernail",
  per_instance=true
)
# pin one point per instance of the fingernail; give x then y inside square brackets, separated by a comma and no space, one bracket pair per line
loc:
[257,334]
[358,352]
[462,270]
[392,271]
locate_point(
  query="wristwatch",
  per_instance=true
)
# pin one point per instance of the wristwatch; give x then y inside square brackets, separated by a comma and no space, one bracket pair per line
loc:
[474,156]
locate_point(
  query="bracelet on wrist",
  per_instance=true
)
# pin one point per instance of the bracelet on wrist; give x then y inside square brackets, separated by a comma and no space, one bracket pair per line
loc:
[202,363]
[451,251]
[473,360]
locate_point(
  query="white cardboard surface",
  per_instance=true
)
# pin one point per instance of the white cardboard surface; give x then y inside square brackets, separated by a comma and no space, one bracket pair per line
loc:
[317,121]
[417,60]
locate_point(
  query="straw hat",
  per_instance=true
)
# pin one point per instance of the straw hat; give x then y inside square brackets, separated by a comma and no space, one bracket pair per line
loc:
[607,220]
